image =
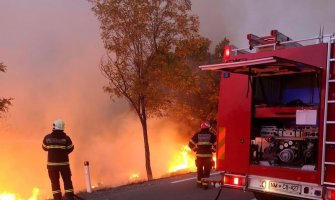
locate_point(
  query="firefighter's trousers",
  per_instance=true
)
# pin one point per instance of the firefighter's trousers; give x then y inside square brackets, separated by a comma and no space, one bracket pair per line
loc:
[54,174]
[204,166]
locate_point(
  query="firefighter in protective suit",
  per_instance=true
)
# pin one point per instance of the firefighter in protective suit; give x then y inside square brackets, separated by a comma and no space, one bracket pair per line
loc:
[59,145]
[204,144]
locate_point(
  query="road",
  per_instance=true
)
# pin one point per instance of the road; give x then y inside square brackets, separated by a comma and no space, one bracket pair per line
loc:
[181,187]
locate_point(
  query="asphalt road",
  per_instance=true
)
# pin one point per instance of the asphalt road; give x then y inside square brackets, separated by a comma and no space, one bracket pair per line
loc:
[181,187]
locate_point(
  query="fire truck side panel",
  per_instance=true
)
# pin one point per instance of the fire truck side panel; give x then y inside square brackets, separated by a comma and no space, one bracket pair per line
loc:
[234,123]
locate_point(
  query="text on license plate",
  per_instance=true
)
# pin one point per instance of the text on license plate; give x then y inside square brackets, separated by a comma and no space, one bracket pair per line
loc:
[284,187]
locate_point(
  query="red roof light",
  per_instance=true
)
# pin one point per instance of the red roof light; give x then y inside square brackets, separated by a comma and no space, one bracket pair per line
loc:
[226,53]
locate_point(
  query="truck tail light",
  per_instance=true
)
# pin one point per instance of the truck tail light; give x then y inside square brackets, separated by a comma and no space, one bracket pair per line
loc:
[330,195]
[233,180]
[226,53]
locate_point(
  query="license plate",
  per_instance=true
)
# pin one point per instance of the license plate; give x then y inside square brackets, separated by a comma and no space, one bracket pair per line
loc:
[284,187]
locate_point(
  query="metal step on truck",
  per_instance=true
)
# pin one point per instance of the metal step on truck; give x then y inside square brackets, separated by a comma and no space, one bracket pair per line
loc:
[276,117]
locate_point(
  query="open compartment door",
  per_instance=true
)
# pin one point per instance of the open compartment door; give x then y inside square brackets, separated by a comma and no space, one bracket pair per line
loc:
[234,124]
[267,66]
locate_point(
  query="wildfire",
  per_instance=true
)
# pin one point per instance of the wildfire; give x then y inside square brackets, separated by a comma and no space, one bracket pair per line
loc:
[134,178]
[11,196]
[7,196]
[35,194]
[184,161]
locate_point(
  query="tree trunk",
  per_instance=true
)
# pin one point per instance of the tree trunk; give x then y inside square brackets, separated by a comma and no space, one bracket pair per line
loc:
[146,148]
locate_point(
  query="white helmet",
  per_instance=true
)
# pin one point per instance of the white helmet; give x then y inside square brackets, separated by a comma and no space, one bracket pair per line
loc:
[58,124]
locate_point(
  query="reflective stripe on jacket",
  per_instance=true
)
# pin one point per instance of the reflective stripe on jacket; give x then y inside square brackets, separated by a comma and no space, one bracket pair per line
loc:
[58,145]
[203,143]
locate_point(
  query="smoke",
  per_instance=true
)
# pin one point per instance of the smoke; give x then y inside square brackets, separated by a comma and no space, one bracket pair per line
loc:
[52,50]
[297,19]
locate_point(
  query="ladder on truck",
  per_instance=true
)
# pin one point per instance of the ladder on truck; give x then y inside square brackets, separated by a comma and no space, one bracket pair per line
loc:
[275,37]
[328,149]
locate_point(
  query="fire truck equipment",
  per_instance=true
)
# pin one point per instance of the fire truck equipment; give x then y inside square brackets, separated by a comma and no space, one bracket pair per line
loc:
[280,139]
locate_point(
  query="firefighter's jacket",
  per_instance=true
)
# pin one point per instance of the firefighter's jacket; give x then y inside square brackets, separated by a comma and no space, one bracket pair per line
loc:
[58,145]
[203,143]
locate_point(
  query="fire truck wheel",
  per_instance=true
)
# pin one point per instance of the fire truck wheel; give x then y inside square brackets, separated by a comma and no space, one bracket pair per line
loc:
[266,196]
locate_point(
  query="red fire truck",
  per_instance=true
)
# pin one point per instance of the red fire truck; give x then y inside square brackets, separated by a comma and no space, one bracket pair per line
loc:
[276,117]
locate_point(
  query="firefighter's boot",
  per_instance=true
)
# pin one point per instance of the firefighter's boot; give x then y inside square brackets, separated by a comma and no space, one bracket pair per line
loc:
[204,185]
[69,196]
[199,184]
[57,195]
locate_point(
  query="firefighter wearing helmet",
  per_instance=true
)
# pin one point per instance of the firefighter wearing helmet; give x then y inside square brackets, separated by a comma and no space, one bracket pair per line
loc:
[59,146]
[203,143]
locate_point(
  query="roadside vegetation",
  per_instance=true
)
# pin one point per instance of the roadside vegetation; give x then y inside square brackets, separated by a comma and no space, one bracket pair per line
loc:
[153,50]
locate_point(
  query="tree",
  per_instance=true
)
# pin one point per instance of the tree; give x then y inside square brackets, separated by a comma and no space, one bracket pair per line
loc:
[197,91]
[4,103]
[140,38]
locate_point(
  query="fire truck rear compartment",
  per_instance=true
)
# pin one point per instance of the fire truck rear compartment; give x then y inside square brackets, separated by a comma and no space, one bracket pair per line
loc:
[278,138]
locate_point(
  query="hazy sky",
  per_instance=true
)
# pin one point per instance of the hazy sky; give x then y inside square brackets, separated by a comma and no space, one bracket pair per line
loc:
[235,19]
[52,49]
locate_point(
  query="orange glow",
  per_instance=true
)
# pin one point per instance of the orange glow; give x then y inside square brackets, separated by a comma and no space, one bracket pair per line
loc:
[134,177]
[183,161]
[214,159]
[7,196]
[35,194]
[54,84]
[11,196]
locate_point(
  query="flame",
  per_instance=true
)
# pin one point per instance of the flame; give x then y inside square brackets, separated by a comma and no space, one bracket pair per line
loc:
[7,196]
[134,177]
[97,185]
[12,196]
[35,194]
[184,161]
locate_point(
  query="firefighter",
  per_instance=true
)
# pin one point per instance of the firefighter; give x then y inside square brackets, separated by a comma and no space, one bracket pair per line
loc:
[59,145]
[203,143]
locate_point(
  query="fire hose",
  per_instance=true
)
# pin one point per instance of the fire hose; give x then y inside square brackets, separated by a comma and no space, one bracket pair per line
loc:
[217,196]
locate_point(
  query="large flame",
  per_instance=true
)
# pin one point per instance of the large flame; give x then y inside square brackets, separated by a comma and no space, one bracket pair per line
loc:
[12,196]
[7,196]
[183,161]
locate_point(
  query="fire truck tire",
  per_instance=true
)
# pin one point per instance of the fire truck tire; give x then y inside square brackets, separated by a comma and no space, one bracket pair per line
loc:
[266,196]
